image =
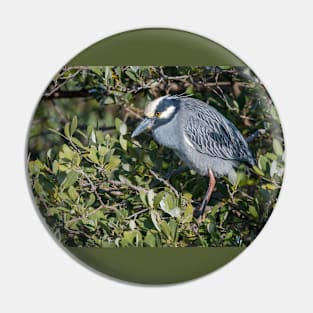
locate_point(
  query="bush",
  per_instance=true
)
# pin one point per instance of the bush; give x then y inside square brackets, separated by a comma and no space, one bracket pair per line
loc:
[97,187]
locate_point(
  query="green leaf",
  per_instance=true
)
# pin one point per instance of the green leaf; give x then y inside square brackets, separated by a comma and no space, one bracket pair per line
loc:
[257,170]
[118,123]
[150,197]
[72,193]
[132,224]
[70,179]
[188,214]
[165,229]
[38,187]
[100,137]
[108,156]
[126,167]
[91,200]
[169,206]
[278,149]
[154,217]
[66,153]
[274,113]
[157,199]
[253,212]
[89,130]
[73,125]
[269,186]
[143,197]
[123,143]
[96,70]
[273,169]
[35,167]
[103,150]
[175,212]
[189,90]
[93,136]
[263,163]
[123,129]
[228,235]
[77,142]
[67,130]
[131,75]
[174,229]
[108,100]
[211,227]
[93,155]
[113,164]
[56,210]
[150,240]
[107,72]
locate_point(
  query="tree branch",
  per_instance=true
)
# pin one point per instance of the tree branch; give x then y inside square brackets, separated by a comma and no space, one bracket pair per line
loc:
[165,182]
[57,87]
[128,184]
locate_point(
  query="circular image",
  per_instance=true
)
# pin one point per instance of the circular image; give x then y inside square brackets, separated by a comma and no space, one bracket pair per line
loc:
[155,156]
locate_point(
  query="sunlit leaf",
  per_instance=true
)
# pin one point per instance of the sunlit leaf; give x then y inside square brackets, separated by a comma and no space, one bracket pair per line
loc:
[67,130]
[131,75]
[123,143]
[70,179]
[278,149]
[73,125]
[154,217]
[123,129]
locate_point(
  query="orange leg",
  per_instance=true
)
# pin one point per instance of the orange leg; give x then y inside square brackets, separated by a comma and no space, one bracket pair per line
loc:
[208,193]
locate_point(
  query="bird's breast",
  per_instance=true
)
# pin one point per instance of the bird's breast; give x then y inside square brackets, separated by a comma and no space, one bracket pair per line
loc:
[168,135]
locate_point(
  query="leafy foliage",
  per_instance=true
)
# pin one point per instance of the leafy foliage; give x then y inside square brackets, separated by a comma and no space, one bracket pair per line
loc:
[97,187]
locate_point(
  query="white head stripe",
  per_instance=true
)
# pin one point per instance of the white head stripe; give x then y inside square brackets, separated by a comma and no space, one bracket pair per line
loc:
[168,112]
[151,107]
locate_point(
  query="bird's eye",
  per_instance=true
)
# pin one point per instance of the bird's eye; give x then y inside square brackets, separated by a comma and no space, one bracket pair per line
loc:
[157,114]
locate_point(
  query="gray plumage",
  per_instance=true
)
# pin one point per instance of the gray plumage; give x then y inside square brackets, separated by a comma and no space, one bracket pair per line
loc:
[201,136]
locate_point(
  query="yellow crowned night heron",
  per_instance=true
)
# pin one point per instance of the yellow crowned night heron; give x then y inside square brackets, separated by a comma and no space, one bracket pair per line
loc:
[201,136]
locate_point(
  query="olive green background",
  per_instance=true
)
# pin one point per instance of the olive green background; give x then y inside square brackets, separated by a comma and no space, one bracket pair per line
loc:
[156,46]
[156,265]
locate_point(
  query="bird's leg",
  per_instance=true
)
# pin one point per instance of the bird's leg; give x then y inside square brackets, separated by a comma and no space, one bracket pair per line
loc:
[208,193]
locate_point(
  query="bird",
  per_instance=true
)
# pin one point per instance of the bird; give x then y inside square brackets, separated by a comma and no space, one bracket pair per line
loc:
[200,135]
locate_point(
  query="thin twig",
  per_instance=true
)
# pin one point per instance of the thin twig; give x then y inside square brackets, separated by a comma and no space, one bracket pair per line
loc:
[48,94]
[221,94]
[137,213]
[128,184]
[80,218]
[165,182]
[128,109]
[93,187]
[178,78]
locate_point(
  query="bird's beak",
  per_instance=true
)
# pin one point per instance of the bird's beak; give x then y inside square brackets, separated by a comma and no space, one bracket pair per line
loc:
[145,124]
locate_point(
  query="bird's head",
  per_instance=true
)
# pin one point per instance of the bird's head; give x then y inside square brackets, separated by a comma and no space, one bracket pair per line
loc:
[158,112]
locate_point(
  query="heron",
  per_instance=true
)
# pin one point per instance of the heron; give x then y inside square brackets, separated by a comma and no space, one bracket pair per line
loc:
[201,136]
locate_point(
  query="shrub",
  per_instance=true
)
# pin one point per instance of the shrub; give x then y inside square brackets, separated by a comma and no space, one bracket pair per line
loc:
[97,187]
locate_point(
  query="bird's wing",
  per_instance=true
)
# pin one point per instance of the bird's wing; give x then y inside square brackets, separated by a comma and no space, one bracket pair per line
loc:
[209,132]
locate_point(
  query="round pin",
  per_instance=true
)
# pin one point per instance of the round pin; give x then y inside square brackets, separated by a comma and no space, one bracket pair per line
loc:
[155,156]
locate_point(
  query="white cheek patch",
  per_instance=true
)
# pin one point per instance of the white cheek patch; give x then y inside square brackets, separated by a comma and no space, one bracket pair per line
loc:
[151,107]
[168,112]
